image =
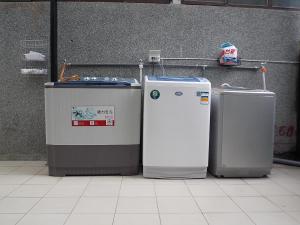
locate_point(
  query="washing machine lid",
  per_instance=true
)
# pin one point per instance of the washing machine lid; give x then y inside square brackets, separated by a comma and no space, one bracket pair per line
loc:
[108,80]
[177,78]
[90,81]
[228,91]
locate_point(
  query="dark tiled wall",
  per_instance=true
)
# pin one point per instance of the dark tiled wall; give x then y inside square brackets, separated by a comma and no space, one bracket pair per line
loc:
[123,33]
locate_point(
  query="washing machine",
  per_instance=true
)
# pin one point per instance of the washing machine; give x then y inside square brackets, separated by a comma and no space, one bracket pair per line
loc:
[242,132]
[93,126]
[176,127]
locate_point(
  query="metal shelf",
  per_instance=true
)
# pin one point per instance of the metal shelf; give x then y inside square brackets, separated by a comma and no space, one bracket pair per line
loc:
[34,67]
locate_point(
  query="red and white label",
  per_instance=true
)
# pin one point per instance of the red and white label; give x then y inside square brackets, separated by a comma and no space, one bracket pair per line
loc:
[92,116]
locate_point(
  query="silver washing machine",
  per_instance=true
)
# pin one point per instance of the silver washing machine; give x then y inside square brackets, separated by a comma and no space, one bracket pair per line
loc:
[242,132]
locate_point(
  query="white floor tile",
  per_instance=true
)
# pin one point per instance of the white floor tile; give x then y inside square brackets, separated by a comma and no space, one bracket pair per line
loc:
[96,205]
[262,180]
[106,179]
[30,170]
[206,181]
[131,190]
[284,179]
[30,191]
[10,219]
[54,205]
[102,190]
[44,171]
[74,180]
[229,181]
[137,180]
[6,189]
[43,219]
[14,179]
[287,203]
[34,163]
[167,181]
[277,173]
[277,169]
[172,190]
[217,204]
[7,169]
[272,219]
[292,171]
[278,166]
[12,163]
[270,189]
[239,190]
[293,187]
[137,205]
[17,205]
[228,219]
[43,179]
[66,191]
[295,215]
[255,204]
[90,219]
[136,219]
[177,205]
[206,190]
[180,219]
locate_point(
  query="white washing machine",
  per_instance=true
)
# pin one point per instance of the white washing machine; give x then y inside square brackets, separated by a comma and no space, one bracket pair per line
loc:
[176,127]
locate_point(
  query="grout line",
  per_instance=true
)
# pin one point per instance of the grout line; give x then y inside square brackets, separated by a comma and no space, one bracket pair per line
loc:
[193,197]
[28,179]
[53,185]
[259,196]
[289,214]
[283,187]
[156,200]
[18,186]
[118,197]
[80,197]
[241,208]
[244,212]
[156,197]
[28,173]
[16,167]
[33,205]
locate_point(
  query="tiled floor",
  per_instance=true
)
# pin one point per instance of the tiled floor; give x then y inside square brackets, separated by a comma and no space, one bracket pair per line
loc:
[28,196]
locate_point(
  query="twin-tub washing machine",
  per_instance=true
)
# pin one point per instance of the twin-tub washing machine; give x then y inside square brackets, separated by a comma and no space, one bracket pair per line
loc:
[93,127]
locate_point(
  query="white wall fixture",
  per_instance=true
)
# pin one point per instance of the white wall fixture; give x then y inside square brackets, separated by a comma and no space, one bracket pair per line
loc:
[176,1]
[154,56]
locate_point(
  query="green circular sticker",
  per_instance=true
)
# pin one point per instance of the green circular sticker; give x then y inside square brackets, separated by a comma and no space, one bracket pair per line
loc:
[154,94]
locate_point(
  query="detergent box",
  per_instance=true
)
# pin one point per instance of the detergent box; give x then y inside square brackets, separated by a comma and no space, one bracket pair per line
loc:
[229,55]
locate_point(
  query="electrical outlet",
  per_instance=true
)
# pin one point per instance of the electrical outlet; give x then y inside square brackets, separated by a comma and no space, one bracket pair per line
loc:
[154,56]
[176,1]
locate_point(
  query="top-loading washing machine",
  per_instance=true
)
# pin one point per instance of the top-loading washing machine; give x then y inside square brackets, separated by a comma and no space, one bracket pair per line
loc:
[241,132]
[176,127]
